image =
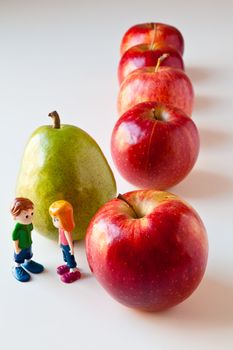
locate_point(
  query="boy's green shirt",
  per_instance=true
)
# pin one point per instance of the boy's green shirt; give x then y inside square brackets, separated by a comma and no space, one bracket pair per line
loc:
[22,233]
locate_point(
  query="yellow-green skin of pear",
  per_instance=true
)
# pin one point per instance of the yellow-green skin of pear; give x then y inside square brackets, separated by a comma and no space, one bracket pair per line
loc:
[64,163]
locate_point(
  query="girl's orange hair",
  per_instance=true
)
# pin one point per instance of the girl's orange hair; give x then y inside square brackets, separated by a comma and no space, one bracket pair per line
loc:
[63,210]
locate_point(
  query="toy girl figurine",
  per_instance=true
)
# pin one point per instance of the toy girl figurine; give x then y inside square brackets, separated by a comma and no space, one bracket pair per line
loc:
[22,212]
[62,215]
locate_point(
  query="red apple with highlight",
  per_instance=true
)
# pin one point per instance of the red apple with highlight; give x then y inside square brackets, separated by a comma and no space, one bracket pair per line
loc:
[145,55]
[151,33]
[154,145]
[161,84]
[148,249]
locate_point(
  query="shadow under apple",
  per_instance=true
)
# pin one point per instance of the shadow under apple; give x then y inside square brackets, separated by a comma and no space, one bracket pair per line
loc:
[197,73]
[211,137]
[203,184]
[210,305]
[206,102]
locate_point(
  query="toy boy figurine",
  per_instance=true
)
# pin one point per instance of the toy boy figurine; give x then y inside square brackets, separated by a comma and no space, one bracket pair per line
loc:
[62,215]
[22,212]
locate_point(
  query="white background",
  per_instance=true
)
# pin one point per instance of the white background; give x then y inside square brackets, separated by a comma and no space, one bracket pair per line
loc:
[63,55]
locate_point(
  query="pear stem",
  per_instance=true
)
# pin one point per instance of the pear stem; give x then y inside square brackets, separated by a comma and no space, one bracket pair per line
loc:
[56,119]
[160,60]
[130,205]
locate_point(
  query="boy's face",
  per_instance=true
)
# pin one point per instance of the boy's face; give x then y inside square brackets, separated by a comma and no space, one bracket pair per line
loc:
[56,222]
[25,217]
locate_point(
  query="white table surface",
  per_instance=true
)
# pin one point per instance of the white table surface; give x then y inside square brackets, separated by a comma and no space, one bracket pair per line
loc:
[63,55]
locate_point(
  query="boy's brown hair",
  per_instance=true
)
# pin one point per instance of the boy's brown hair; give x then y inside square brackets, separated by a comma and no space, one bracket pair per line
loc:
[20,204]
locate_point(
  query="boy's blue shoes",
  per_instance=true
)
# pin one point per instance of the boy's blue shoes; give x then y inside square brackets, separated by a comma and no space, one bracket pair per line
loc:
[20,274]
[33,267]
[23,276]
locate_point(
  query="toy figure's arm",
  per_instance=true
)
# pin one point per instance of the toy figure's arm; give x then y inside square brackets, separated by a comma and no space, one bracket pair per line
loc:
[59,239]
[70,241]
[17,249]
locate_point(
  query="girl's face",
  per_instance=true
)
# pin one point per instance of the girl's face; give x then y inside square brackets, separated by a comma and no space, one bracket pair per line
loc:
[56,222]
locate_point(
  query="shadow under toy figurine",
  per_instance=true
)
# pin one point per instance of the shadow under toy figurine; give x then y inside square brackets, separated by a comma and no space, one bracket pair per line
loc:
[22,212]
[62,215]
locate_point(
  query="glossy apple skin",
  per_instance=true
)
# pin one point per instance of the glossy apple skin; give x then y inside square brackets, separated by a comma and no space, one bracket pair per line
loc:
[166,85]
[144,56]
[150,33]
[153,262]
[151,153]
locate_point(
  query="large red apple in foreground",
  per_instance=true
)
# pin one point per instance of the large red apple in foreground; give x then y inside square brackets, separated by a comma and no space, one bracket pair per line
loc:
[148,249]
[147,55]
[154,145]
[150,33]
[161,84]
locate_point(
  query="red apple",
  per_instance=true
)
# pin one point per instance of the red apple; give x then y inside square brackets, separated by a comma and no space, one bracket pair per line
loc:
[154,146]
[150,33]
[145,55]
[148,249]
[161,84]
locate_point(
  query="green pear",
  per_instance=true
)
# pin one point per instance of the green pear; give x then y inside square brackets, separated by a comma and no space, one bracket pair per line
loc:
[64,162]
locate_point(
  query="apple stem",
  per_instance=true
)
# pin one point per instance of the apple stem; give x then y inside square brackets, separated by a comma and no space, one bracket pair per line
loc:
[56,119]
[160,60]
[130,205]
[156,114]
[159,113]
[152,45]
